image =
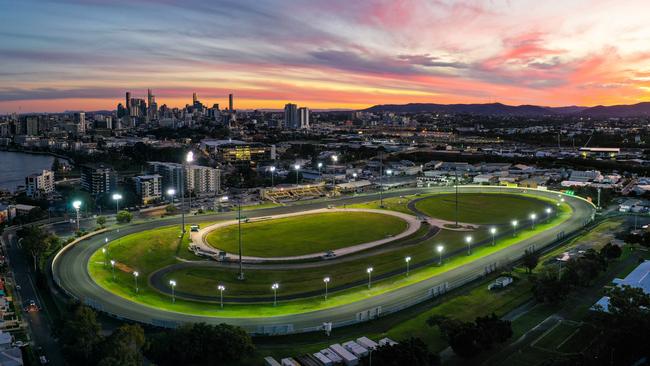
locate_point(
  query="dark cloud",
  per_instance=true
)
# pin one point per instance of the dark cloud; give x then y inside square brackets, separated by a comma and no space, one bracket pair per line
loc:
[13,94]
[431,61]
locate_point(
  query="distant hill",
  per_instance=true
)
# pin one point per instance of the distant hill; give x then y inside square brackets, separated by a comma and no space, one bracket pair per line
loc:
[499,109]
[629,110]
[480,109]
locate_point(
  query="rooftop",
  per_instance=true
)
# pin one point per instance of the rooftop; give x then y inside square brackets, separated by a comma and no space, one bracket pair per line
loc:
[638,278]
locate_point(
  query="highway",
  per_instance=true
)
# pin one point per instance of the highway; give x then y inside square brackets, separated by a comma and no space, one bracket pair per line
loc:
[70,271]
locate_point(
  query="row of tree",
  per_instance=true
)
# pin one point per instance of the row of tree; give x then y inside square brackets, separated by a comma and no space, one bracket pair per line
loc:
[553,283]
[468,339]
[82,343]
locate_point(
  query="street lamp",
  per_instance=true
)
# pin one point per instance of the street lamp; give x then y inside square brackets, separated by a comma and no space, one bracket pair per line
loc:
[172,284]
[439,249]
[320,176]
[275,287]
[548,213]
[171,193]
[135,277]
[113,268]
[221,288]
[514,226]
[407,260]
[297,167]
[493,231]
[389,172]
[533,216]
[326,280]
[272,169]
[77,206]
[105,256]
[354,175]
[369,270]
[468,240]
[117,197]
[334,160]
[189,159]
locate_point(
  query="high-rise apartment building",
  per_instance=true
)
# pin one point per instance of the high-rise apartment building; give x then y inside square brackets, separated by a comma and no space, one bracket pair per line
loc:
[80,122]
[198,179]
[303,117]
[231,106]
[291,116]
[98,178]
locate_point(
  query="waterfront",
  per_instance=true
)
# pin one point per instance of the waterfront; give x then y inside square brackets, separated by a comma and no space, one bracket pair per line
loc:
[15,166]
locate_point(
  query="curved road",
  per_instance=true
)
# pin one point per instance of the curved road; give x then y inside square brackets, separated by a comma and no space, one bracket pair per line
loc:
[70,272]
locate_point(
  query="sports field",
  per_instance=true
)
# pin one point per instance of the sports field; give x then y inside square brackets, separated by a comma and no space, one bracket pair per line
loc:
[298,235]
[152,250]
[479,208]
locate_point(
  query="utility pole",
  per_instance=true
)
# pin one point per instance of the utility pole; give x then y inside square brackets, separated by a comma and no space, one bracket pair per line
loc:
[241,269]
[598,197]
[456,178]
[381,179]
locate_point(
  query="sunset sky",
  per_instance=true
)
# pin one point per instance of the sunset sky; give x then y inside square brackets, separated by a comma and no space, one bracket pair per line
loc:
[84,54]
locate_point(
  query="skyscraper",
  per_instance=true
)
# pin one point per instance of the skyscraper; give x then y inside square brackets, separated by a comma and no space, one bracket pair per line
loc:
[230,102]
[128,103]
[80,121]
[291,116]
[194,98]
[303,117]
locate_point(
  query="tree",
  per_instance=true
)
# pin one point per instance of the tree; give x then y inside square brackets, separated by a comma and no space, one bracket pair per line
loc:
[530,260]
[611,251]
[123,347]
[124,217]
[170,209]
[35,241]
[101,221]
[412,351]
[195,345]
[492,330]
[548,286]
[56,165]
[624,326]
[581,271]
[80,336]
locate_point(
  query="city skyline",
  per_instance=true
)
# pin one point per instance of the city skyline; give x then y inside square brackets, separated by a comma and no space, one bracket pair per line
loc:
[83,55]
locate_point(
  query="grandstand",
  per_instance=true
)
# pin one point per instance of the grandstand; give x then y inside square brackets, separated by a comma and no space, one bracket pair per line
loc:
[292,192]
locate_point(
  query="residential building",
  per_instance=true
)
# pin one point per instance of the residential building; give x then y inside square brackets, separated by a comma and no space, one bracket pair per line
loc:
[39,184]
[98,178]
[303,117]
[148,187]
[291,116]
[199,179]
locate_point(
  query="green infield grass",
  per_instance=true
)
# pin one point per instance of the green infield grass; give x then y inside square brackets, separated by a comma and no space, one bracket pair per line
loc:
[306,234]
[481,208]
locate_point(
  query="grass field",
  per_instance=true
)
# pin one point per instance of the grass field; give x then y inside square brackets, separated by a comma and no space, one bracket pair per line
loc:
[481,208]
[298,235]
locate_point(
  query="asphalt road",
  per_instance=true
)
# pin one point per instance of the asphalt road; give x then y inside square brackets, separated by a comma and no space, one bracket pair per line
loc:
[70,272]
[40,325]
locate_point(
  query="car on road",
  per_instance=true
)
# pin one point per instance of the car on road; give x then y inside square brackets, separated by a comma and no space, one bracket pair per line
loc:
[31,307]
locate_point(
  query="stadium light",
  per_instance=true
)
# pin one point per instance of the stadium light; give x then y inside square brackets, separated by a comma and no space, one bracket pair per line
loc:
[493,231]
[514,226]
[548,213]
[117,197]
[439,249]
[77,206]
[105,256]
[221,288]
[272,169]
[297,167]
[320,176]
[468,240]
[407,260]
[135,277]
[369,270]
[326,280]
[172,284]
[113,268]
[275,287]
[533,216]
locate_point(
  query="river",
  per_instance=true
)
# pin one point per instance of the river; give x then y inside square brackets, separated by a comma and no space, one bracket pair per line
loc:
[15,166]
